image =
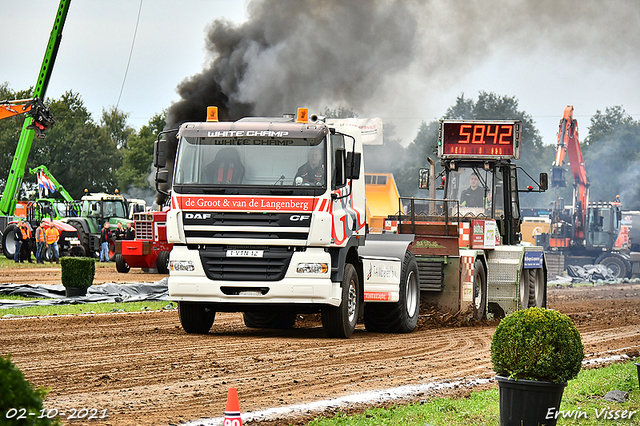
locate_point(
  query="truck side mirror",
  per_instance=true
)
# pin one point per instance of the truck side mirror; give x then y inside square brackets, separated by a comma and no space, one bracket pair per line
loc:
[423,178]
[160,153]
[544,182]
[162,176]
[353,165]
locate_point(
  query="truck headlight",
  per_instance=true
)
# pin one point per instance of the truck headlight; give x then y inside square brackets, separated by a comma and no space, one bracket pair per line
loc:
[312,268]
[182,265]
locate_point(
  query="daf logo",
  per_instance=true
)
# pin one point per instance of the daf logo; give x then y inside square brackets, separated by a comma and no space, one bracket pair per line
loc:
[200,216]
[299,217]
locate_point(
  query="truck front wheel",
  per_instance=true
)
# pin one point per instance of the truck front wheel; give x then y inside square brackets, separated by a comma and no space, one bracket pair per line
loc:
[163,262]
[402,316]
[196,317]
[340,321]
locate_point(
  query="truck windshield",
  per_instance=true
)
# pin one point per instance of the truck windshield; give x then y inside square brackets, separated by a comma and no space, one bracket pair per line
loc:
[472,187]
[212,161]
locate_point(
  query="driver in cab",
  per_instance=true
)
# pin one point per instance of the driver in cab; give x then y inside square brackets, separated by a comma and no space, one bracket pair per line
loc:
[474,195]
[312,172]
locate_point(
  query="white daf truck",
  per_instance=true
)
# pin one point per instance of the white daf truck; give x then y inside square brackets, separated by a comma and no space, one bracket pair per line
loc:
[268,218]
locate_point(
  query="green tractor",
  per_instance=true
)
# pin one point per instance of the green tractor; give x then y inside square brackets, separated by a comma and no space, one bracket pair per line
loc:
[93,210]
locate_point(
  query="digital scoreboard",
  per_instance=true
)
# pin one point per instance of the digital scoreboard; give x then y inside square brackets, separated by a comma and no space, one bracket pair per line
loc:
[479,139]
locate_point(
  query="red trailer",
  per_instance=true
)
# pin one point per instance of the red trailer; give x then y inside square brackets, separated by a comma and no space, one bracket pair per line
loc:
[150,249]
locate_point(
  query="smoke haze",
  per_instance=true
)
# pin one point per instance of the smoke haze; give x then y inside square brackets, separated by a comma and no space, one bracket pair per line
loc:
[380,57]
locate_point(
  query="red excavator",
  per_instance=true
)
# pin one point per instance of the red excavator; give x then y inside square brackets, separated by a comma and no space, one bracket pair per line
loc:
[587,232]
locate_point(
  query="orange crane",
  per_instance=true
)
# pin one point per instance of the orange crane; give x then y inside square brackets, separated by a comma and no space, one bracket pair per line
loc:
[34,108]
[589,233]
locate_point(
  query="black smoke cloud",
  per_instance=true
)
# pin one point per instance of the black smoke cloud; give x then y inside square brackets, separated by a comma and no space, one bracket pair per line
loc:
[385,57]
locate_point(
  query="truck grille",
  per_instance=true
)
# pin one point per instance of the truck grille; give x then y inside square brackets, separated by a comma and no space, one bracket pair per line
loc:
[271,267]
[144,230]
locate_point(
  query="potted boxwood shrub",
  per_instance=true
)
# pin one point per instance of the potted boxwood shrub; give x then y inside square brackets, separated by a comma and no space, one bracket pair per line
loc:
[77,274]
[534,353]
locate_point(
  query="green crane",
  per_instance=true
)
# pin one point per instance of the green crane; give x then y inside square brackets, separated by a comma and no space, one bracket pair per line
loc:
[43,169]
[16,174]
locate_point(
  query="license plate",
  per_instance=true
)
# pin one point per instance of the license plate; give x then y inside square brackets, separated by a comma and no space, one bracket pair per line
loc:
[245,253]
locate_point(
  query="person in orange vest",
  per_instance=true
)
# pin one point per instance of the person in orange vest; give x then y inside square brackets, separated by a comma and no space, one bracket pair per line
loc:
[17,235]
[52,237]
[41,242]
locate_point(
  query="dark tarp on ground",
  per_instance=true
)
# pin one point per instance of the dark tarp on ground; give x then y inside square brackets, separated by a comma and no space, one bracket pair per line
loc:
[590,273]
[100,293]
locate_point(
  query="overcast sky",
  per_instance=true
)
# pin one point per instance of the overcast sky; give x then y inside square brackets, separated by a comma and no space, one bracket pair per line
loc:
[583,53]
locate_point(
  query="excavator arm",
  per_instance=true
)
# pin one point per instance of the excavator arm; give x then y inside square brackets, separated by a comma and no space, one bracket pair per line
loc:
[568,143]
[34,108]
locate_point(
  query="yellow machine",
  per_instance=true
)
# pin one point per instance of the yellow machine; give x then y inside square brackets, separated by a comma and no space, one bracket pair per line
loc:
[532,226]
[382,199]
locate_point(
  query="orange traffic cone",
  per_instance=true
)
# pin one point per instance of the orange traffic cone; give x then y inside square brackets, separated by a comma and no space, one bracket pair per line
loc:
[232,411]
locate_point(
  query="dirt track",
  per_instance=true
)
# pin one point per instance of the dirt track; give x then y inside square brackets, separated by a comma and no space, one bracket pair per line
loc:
[145,370]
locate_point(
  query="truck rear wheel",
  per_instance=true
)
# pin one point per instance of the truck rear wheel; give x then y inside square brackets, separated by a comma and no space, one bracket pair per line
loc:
[270,319]
[402,316]
[196,317]
[616,264]
[121,264]
[537,288]
[479,290]
[523,288]
[8,241]
[163,262]
[340,321]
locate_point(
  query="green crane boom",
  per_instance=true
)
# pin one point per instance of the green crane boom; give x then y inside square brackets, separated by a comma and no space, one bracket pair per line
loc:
[16,174]
[43,169]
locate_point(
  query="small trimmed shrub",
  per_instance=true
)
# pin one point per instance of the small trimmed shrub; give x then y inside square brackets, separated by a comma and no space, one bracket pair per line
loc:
[77,271]
[537,344]
[18,398]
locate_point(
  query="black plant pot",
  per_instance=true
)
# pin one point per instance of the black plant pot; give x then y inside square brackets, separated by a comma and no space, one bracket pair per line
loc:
[75,291]
[529,402]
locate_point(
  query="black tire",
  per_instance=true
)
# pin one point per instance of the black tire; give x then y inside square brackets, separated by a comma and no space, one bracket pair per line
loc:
[163,262]
[77,251]
[196,317]
[523,289]
[8,241]
[270,319]
[537,288]
[402,316]
[47,254]
[121,264]
[616,264]
[83,237]
[340,321]
[479,291]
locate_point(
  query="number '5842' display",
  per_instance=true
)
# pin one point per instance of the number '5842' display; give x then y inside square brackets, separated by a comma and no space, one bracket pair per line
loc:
[484,139]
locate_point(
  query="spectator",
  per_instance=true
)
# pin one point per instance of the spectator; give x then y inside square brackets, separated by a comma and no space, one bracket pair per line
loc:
[17,235]
[25,252]
[119,232]
[52,236]
[105,237]
[129,233]
[41,242]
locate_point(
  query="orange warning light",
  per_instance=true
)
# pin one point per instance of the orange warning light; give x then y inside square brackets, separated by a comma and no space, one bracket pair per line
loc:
[212,113]
[303,115]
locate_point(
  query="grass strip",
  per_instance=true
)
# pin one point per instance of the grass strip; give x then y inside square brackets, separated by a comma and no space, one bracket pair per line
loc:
[84,308]
[583,404]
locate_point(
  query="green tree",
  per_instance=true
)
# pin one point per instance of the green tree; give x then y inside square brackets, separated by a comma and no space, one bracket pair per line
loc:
[78,152]
[137,160]
[611,153]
